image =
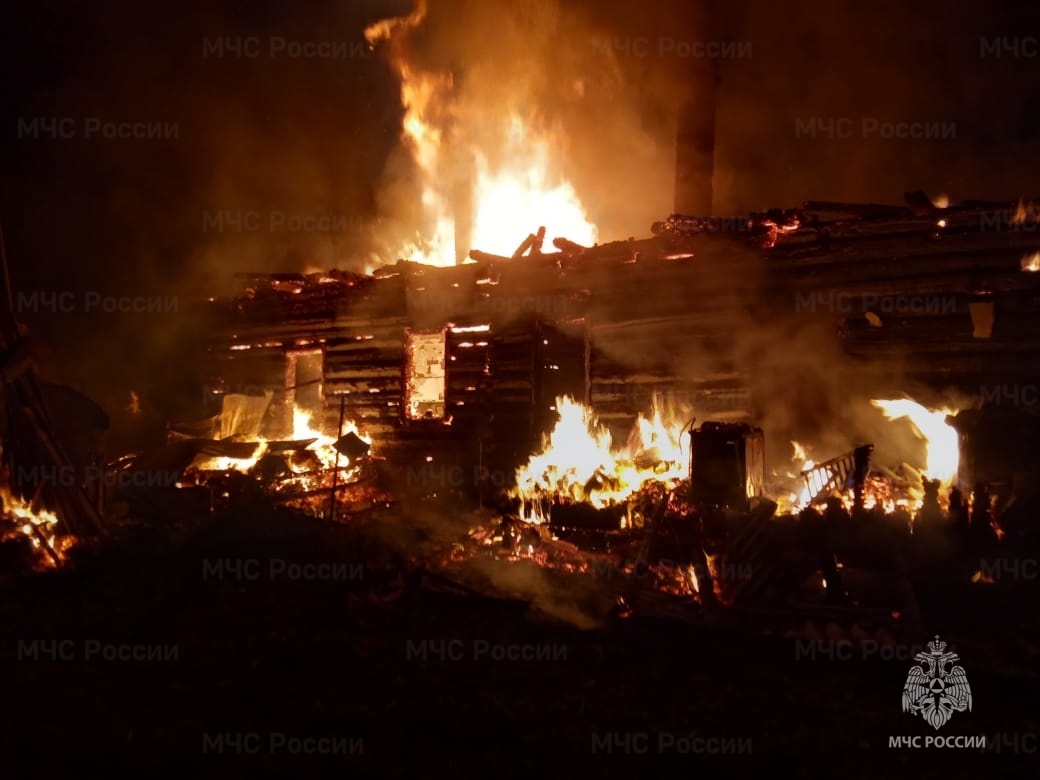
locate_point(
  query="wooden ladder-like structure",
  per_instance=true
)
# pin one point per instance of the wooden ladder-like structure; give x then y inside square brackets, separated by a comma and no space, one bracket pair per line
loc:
[837,474]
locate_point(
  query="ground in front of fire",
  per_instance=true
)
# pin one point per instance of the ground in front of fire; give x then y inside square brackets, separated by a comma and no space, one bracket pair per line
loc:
[600,414]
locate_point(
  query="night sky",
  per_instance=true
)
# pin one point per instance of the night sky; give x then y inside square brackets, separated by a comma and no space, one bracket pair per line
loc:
[313,136]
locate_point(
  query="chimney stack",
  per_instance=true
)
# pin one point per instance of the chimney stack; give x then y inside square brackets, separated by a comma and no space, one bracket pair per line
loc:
[461,179]
[695,153]
[695,136]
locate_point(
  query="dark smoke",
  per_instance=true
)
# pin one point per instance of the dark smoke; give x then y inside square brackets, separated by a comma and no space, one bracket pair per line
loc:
[264,135]
[313,137]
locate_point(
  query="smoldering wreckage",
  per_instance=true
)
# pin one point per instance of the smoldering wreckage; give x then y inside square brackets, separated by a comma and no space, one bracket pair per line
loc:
[495,392]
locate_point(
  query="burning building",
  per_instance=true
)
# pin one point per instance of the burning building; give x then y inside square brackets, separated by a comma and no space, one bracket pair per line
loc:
[497,348]
[467,366]
[483,361]
[546,410]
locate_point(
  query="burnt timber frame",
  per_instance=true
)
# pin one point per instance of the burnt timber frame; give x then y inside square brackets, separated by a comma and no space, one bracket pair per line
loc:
[620,306]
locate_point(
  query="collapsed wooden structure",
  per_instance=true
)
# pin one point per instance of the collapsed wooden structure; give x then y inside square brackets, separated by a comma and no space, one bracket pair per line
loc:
[460,366]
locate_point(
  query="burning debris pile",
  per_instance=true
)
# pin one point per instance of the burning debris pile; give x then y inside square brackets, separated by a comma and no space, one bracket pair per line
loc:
[580,463]
[882,489]
[582,486]
[626,562]
[586,503]
[31,532]
[308,468]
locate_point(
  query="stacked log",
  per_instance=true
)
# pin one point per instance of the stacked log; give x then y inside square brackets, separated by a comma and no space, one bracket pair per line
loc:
[616,324]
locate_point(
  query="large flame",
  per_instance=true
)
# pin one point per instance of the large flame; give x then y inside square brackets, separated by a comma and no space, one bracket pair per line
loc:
[940,438]
[889,491]
[579,460]
[422,94]
[515,187]
[522,194]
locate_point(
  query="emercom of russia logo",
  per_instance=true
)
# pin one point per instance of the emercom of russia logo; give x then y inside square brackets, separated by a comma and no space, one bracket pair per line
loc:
[934,691]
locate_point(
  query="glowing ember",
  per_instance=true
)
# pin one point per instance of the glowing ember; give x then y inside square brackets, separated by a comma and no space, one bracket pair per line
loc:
[981,577]
[1025,212]
[537,546]
[942,457]
[1031,262]
[695,585]
[521,191]
[580,462]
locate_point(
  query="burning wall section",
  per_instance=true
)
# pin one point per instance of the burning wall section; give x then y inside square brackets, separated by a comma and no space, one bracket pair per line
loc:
[694,315]
[616,329]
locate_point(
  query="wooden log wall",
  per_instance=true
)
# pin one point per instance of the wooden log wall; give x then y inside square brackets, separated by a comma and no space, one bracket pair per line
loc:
[623,322]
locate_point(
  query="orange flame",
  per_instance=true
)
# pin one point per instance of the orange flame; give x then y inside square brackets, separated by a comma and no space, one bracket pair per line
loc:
[943,452]
[799,498]
[512,197]
[523,194]
[303,429]
[889,492]
[579,460]
[1025,212]
[39,526]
